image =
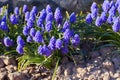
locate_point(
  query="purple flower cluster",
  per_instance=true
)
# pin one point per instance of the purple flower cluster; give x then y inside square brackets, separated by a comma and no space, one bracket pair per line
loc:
[45,29]
[8,42]
[20,45]
[111,9]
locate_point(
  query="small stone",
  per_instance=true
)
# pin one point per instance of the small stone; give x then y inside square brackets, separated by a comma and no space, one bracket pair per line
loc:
[94,54]
[64,60]
[108,65]
[105,50]
[25,71]
[3,70]
[116,62]
[90,67]
[97,62]
[3,75]
[68,71]
[118,79]
[31,70]
[1,63]
[11,68]
[111,73]
[106,76]
[116,75]
[58,72]
[16,76]
[9,61]
[81,72]
[92,77]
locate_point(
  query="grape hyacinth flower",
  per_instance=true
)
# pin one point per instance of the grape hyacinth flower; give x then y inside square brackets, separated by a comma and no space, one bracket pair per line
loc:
[98,21]
[20,41]
[20,49]
[94,13]
[48,9]
[111,3]
[40,50]
[8,42]
[25,8]
[114,18]
[112,10]
[49,17]
[4,18]
[118,9]
[34,10]
[117,3]
[44,50]
[13,19]
[16,11]
[47,51]
[32,32]
[73,18]
[43,14]
[32,16]
[66,25]
[52,43]
[48,26]
[58,44]
[75,40]
[67,34]
[29,39]
[25,30]
[110,19]
[38,37]
[64,50]
[58,16]
[116,25]
[4,26]
[105,6]
[40,22]
[89,18]
[27,15]
[94,6]
[103,17]
[30,23]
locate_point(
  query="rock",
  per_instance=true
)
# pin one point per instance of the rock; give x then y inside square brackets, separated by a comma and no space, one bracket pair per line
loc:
[1,63]
[80,72]
[76,5]
[105,52]
[108,65]
[3,75]
[68,71]
[59,70]
[97,62]
[106,76]
[90,67]
[25,71]
[116,75]
[16,76]
[35,76]
[3,70]
[69,5]
[11,68]
[64,60]
[92,77]
[111,73]
[78,59]
[9,61]
[118,79]
[94,54]
[116,63]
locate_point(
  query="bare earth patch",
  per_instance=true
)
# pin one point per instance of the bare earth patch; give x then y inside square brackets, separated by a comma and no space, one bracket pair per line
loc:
[103,65]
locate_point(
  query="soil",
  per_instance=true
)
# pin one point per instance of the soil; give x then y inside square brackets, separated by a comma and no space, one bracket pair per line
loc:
[103,64]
